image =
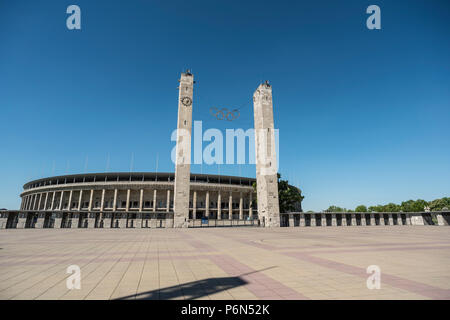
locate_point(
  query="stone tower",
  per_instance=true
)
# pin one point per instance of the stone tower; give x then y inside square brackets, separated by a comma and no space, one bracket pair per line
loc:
[266,158]
[183,151]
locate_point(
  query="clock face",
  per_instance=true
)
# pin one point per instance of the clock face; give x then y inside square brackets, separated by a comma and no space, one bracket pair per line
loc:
[186,101]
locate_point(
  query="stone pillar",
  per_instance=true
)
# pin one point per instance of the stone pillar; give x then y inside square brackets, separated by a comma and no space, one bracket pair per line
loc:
[363,219]
[219,206]
[381,219]
[40,221]
[313,220]
[58,220]
[266,158]
[408,219]
[154,200]
[207,204]
[372,220]
[230,206]
[76,220]
[46,201]
[168,201]
[141,200]
[183,151]
[250,207]
[302,220]
[106,221]
[33,207]
[291,219]
[70,200]
[102,202]
[194,205]
[241,207]
[353,219]
[40,200]
[91,218]
[323,219]
[115,200]
[123,220]
[344,220]
[333,220]
[91,197]
[391,220]
[399,219]
[22,221]
[441,220]
[417,220]
[139,220]
[128,200]
[61,201]
[80,198]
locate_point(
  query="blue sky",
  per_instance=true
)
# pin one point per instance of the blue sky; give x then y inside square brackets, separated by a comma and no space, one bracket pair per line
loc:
[363,114]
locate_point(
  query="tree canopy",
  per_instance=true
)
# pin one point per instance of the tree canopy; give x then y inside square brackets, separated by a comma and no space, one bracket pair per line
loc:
[418,205]
[289,197]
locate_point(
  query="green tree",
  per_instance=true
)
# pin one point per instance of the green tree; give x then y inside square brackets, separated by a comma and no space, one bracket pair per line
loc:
[413,206]
[391,207]
[289,197]
[361,208]
[440,204]
[335,209]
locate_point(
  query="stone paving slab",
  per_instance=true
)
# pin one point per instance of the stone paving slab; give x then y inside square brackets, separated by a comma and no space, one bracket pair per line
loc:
[227,263]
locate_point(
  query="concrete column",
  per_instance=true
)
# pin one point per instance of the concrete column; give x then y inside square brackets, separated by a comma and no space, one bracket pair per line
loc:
[372,219]
[323,219]
[363,219]
[154,200]
[61,201]
[91,220]
[207,204]
[353,219]
[194,205]
[80,198]
[168,201]
[417,220]
[399,219]
[115,200]
[441,220]
[106,221]
[40,200]
[52,207]
[90,203]
[141,200]
[75,220]
[333,220]
[33,207]
[302,220]
[381,219]
[123,221]
[128,200]
[230,206]
[219,206]
[408,219]
[40,221]
[291,219]
[45,201]
[391,220]
[24,203]
[241,207]
[22,220]
[102,203]
[58,220]
[313,220]
[70,200]
[344,220]
[26,199]
[250,207]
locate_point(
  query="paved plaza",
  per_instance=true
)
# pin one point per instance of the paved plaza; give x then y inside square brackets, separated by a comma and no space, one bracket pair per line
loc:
[227,263]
